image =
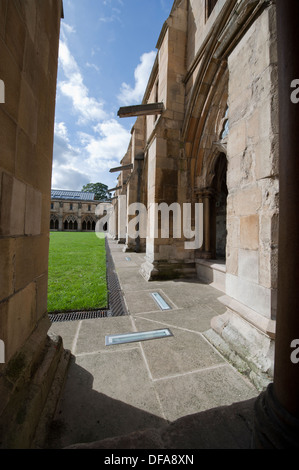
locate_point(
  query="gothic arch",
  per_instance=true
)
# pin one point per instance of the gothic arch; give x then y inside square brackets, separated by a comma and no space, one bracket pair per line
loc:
[54,223]
[205,137]
[204,134]
[70,222]
[88,223]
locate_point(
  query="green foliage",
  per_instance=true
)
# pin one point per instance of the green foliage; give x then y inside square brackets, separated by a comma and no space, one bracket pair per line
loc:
[99,189]
[77,272]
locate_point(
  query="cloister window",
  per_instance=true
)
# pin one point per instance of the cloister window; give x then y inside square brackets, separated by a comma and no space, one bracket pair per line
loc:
[210,5]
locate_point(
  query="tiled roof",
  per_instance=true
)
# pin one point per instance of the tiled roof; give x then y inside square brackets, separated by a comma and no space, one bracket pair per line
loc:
[76,195]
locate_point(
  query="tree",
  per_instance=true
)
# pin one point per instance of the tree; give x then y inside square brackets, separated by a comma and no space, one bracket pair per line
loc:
[100,191]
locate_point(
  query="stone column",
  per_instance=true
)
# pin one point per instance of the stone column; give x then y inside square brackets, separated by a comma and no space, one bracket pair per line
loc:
[277,409]
[60,217]
[80,217]
[205,197]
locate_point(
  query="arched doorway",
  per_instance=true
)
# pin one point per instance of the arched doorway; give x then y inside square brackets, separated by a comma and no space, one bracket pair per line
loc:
[219,208]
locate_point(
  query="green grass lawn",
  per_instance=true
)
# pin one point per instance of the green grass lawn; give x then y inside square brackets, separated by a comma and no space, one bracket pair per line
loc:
[77,272]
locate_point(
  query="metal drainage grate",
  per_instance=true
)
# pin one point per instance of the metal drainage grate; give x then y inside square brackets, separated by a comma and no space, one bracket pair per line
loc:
[138,336]
[73,316]
[160,301]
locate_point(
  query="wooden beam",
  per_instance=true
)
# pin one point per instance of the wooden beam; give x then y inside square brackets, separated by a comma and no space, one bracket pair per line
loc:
[141,110]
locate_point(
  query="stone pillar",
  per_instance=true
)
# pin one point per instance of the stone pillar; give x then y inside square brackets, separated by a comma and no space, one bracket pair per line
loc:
[205,197]
[60,217]
[277,409]
[34,365]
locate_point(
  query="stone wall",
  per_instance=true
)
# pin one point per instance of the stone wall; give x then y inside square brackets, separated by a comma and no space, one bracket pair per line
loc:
[29,35]
[80,213]
[216,143]
[252,203]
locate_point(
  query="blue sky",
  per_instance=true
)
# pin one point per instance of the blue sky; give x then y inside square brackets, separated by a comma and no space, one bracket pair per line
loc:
[106,53]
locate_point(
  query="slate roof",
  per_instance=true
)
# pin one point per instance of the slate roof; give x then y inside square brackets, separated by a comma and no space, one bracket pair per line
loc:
[75,195]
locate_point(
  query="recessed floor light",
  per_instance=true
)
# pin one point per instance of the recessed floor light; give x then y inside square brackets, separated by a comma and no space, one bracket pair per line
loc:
[138,336]
[160,301]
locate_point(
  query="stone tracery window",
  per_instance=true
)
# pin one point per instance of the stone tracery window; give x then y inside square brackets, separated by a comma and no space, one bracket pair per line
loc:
[88,224]
[225,127]
[70,223]
[210,5]
[54,222]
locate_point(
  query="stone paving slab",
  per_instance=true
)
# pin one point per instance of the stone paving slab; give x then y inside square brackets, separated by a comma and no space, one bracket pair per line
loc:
[120,389]
[184,352]
[196,318]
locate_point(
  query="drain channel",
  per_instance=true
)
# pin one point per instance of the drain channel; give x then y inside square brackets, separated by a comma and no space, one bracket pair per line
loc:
[73,316]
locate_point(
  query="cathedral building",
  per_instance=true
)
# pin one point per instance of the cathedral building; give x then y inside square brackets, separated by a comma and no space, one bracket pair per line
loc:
[73,211]
[206,132]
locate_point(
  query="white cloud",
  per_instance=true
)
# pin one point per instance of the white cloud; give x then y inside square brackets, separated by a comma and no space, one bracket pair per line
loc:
[129,95]
[67,29]
[63,150]
[83,156]
[87,108]
[92,66]
[96,153]
[69,178]
[107,146]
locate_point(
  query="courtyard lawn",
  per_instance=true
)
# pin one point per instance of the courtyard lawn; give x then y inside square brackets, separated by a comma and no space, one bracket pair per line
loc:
[77,272]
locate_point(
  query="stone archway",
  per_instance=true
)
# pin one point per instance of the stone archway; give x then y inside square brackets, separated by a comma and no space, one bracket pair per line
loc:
[205,133]
[70,223]
[88,224]
[54,222]
[218,210]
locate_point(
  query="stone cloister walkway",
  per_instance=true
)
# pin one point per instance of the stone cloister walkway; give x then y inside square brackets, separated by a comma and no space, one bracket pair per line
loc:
[175,392]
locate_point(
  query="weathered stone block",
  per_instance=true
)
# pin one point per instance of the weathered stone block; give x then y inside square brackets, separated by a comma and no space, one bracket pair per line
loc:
[7,257]
[249,232]
[3,7]
[8,130]
[237,139]
[33,211]
[12,216]
[26,163]
[15,33]
[248,265]
[17,319]
[232,261]
[245,202]
[28,111]
[31,259]
[41,295]
[11,75]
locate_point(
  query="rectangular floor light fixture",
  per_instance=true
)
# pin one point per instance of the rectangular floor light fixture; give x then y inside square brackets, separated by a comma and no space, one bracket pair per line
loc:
[160,301]
[138,336]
